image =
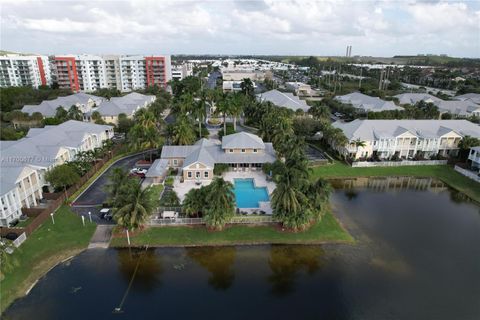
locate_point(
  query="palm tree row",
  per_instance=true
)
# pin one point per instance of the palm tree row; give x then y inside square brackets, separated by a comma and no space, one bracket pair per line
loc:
[131,205]
[215,202]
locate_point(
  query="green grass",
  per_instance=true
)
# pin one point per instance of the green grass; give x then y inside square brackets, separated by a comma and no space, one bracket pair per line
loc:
[43,249]
[327,230]
[442,172]
[24,223]
[169,181]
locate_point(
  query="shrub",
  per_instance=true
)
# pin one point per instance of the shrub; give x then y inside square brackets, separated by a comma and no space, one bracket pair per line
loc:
[169,181]
[170,199]
[220,168]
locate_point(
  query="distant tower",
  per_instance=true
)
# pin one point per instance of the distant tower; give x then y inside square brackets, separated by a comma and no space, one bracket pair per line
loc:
[348,53]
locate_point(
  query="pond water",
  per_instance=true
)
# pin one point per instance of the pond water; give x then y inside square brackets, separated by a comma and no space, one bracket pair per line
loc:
[417,257]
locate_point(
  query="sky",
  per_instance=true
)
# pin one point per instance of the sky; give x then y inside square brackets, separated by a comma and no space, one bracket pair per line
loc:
[268,27]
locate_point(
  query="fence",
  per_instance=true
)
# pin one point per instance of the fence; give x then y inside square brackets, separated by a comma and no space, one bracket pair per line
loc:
[39,215]
[363,164]
[21,238]
[468,173]
[251,219]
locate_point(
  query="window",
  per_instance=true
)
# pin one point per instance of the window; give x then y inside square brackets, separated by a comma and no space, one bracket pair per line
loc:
[197,174]
[189,174]
[206,174]
[255,150]
[231,150]
[243,150]
[175,162]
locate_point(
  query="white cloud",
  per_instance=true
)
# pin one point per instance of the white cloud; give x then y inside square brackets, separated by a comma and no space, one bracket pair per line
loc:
[266,27]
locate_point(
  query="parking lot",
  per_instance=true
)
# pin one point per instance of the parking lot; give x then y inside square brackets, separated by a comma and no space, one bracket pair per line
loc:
[92,199]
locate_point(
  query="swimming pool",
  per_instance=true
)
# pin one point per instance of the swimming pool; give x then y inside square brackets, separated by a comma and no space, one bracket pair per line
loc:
[247,195]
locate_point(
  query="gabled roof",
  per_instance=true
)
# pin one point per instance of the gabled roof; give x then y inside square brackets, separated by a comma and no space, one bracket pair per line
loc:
[127,104]
[368,130]
[242,140]
[473,97]
[48,108]
[413,98]
[283,99]
[362,101]
[456,107]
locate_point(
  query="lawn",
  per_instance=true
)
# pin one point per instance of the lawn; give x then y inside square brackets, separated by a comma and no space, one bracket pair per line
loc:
[444,173]
[44,248]
[327,230]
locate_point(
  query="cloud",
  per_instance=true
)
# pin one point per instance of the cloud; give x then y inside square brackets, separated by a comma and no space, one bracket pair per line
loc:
[237,26]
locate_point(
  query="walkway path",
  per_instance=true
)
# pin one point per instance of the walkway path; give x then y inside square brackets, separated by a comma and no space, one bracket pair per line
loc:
[101,237]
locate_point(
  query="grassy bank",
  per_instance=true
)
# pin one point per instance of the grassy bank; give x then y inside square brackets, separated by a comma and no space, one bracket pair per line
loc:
[443,173]
[328,230]
[44,248]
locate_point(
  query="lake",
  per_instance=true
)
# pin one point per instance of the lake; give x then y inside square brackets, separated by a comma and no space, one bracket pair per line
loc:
[417,256]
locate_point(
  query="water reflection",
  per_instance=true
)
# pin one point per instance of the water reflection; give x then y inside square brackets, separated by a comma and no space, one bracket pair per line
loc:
[286,262]
[390,184]
[218,261]
[148,275]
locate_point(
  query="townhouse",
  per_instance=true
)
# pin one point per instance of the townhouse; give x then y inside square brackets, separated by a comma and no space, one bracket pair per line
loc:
[25,162]
[283,99]
[366,104]
[463,106]
[404,138]
[128,105]
[48,108]
[20,70]
[474,159]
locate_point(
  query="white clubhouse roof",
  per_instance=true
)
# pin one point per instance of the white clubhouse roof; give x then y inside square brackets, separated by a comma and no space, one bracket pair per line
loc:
[367,103]
[242,140]
[283,99]
[207,152]
[368,130]
[48,108]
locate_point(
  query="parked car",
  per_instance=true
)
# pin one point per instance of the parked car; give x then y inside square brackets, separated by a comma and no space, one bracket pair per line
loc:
[138,171]
[11,236]
[106,214]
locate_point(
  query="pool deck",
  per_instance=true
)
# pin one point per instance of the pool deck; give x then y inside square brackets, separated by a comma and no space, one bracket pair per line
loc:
[260,180]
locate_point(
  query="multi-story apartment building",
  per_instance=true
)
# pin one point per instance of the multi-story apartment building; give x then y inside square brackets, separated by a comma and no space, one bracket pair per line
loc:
[18,70]
[112,71]
[25,162]
[182,71]
[81,73]
[139,72]
[404,138]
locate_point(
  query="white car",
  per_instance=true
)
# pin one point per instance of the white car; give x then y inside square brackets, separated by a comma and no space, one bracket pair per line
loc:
[138,171]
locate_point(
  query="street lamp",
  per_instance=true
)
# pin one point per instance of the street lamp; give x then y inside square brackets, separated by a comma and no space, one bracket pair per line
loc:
[83,220]
[53,220]
[90,216]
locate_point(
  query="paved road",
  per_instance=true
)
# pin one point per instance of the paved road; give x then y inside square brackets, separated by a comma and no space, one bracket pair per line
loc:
[101,237]
[212,79]
[95,194]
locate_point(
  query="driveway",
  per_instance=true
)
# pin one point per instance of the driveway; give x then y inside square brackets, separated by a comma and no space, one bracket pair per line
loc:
[95,194]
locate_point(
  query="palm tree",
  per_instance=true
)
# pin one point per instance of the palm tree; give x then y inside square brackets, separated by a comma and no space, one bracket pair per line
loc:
[134,205]
[199,113]
[152,140]
[288,202]
[247,86]
[236,108]
[320,112]
[221,203]
[224,107]
[145,118]
[116,179]
[74,113]
[194,202]
[183,133]
[465,144]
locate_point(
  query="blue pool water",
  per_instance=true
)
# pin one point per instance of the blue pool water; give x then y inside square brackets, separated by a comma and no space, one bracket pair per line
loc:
[247,195]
